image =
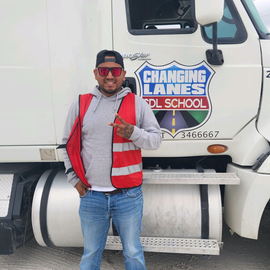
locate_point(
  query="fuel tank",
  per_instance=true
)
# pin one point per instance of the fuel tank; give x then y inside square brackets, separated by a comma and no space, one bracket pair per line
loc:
[170,210]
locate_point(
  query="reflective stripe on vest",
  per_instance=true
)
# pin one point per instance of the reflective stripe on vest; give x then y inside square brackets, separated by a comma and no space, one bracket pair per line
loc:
[127,170]
[120,147]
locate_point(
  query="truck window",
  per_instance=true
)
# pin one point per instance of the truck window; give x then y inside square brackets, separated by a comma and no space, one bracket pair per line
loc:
[254,15]
[230,29]
[159,17]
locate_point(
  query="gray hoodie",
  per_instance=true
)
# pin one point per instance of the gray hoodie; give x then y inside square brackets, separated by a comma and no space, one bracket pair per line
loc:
[97,135]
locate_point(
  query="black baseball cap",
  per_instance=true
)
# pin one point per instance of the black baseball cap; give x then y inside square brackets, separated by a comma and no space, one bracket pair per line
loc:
[102,54]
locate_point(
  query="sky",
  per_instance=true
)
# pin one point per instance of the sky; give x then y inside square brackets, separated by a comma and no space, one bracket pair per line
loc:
[263,6]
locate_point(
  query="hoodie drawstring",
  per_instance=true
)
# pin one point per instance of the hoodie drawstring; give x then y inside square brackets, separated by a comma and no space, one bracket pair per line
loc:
[115,105]
[97,103]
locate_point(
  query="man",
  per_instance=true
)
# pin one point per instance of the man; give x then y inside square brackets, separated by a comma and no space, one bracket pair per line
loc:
[107,163]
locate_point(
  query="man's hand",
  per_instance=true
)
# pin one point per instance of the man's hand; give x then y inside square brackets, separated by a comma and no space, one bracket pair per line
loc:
[81,188]
[124,129]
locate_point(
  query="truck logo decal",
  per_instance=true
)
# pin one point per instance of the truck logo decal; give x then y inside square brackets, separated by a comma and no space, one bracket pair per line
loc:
[177,94]
[137,56]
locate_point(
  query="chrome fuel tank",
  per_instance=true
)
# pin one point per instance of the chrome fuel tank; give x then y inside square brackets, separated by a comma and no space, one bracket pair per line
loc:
[170,210]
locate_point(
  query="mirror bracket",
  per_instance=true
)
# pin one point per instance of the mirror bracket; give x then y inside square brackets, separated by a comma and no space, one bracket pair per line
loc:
[215,56]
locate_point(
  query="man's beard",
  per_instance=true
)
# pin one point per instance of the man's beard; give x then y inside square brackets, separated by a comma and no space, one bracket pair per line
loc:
[109,92]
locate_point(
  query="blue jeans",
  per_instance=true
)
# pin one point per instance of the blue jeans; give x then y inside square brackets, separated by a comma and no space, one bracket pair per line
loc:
[125,209]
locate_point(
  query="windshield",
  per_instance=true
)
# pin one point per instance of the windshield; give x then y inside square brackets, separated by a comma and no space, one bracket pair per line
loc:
[259,11]
[263,7]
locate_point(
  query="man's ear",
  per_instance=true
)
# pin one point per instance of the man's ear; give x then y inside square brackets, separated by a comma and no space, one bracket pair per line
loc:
[124,75]
[95,73]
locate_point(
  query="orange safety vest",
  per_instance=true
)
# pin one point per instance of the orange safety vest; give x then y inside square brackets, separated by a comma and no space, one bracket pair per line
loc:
[126,169]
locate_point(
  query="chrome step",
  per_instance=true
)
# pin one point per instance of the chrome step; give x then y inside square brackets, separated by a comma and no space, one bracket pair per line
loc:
[170,245]
[181,178]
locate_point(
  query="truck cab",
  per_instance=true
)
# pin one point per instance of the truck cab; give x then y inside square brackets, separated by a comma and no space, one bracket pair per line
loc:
[203,66]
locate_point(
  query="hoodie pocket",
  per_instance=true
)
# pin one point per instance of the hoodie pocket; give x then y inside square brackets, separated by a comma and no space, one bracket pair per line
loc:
[99,171]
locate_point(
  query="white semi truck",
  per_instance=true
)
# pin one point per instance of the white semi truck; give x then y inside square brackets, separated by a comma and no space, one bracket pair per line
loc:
[204,68]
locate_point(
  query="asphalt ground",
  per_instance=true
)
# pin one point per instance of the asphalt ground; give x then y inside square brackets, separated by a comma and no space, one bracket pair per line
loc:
[238,254]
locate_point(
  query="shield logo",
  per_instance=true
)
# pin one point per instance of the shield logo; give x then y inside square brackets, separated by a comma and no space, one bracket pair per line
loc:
[177,94]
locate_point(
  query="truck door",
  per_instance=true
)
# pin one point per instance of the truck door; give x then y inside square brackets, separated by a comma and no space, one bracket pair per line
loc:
[165,50]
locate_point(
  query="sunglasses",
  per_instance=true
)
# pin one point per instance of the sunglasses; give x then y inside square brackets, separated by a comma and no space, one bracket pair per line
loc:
[104,71]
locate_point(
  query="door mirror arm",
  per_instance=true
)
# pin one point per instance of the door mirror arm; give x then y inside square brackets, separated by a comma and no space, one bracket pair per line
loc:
[214,56]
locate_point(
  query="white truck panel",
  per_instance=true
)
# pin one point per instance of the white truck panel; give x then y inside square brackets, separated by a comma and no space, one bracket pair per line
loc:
[26,100]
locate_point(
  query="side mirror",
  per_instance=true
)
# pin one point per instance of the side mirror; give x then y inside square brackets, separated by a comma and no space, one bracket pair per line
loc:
[208,11]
